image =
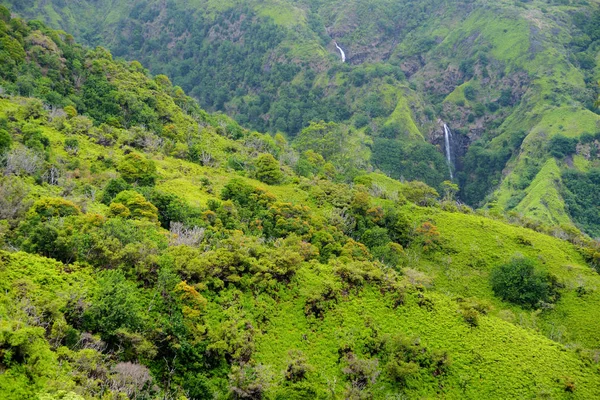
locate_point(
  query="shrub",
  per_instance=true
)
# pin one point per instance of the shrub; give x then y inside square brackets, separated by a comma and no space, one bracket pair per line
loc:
[135,168]
[407,358]
[5,141]
[22,161]
[247,382]
[117,304]
[72,145]
[297,367]
[361,373]
[429,235]
[420,193]
[130,204]
[49,207]
[470,93]
[518,282]
[267,169]
[113,188]
[13,205]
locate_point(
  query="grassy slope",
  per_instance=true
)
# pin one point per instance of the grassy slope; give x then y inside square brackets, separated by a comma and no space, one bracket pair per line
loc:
[509,343]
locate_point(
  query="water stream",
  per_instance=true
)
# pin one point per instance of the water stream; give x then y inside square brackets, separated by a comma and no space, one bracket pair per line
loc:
[341,52]
[448,139]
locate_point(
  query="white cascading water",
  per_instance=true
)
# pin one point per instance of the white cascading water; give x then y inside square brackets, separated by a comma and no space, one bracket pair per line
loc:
[341,52]
[447,137]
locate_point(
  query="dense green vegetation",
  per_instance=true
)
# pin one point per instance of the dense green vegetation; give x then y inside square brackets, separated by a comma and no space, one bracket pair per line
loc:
[149,249]
[506,76]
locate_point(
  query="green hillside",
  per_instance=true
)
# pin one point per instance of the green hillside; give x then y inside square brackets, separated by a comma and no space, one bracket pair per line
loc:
[153,250]
[506,77]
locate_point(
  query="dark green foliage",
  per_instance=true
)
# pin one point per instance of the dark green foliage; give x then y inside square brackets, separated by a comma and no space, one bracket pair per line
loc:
[72,145]
[116,305]
[561,146]
[470,93]
[518,282]
[171,208]
[113,188]
[34,138]
[505,98]
[411,161]
[482,167]
[98,98]
[582,198]
[390,131]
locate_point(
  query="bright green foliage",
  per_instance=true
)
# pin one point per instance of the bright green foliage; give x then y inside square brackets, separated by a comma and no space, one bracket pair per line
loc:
[130,204]
[518,282]
[267,169]
[5,141]
[53,207]
[135,168]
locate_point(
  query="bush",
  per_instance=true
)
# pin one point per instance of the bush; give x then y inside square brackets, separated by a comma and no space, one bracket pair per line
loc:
[470,93]
[518,282]
[408,358]
[13,203]
[72,145]
[135,168]
[297,367]
[113,188]
[116,305]
[5,141]
[51,207]
[130,204]
[267,169]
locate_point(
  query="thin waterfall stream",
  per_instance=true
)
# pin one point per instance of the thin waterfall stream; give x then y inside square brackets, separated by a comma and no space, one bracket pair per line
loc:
[341,51]
[448,139]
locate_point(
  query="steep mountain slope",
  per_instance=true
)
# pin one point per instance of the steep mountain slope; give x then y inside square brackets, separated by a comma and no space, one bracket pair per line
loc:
[506,77]
[153,250]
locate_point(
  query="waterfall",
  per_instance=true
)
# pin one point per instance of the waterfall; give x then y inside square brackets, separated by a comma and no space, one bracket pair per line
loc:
[341,51]
[447,139]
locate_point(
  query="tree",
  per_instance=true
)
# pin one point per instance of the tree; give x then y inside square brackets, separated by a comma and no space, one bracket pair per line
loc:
[267,169]
[518,282]
[135,168]
[325,138]
[561,146]
[450,190]
[116,305]
[130,204]
[53,207]
[113,188]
